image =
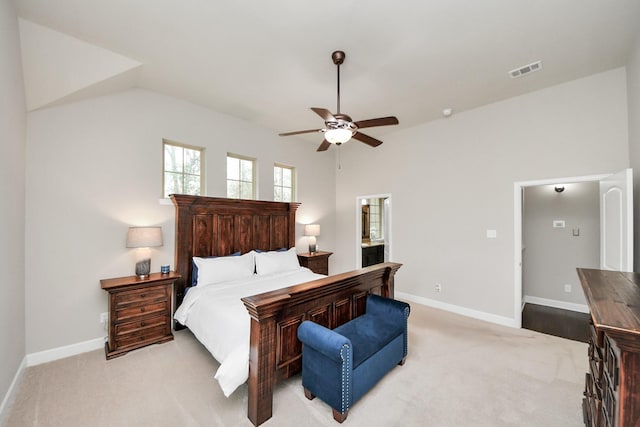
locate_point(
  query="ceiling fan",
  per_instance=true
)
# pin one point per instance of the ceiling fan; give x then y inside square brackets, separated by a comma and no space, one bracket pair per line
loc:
[339,128]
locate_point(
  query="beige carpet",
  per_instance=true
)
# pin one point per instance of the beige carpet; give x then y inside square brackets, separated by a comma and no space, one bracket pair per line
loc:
[459,372]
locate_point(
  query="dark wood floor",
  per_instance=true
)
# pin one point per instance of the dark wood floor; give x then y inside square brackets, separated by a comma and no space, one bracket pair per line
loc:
[556,321]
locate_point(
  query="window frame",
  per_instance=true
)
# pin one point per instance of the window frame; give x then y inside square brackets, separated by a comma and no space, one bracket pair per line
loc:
[292,169]
[201,150]
[254,167]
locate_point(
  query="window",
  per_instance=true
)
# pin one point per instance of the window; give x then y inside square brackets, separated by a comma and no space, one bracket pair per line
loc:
[182,173]
[283,183]
[240,177]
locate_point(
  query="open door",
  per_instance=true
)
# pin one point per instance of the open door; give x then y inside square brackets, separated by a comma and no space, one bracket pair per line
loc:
[616,221]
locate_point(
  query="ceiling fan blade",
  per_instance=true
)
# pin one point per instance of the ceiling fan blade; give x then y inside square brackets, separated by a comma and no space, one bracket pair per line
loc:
[324,146]
[366,139]
[382,121]
[324,113]
[299,132]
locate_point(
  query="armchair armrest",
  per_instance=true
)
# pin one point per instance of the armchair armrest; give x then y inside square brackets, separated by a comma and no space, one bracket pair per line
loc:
[386,308]
[323,340]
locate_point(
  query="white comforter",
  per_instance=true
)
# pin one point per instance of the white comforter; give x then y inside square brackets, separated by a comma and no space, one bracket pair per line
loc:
[218,318]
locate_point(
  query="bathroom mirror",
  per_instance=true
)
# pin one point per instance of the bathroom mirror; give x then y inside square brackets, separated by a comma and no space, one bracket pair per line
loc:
[365,222]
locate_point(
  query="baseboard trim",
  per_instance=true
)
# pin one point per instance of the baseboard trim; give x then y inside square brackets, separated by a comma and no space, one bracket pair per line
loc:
[65,351]
[11,392]
[464,311]
[580,308]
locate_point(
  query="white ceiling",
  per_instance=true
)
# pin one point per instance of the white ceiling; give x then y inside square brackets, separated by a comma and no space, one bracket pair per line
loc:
[269,61]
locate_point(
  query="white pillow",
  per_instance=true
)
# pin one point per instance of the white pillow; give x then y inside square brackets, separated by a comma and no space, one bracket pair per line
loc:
[224,269]
[276,261]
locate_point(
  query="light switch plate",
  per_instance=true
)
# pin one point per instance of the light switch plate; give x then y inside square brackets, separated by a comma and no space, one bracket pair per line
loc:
[492,234]
[558,223]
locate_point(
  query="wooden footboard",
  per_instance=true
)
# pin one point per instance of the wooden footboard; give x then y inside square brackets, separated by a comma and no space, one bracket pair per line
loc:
[275,352]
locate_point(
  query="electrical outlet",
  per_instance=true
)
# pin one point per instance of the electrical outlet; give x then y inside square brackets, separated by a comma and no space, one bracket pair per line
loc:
[438,287]
[567,288]
[104,317]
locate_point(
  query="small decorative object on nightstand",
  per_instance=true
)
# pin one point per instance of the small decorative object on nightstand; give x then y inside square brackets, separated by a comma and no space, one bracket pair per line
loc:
[139,311]
[318,262]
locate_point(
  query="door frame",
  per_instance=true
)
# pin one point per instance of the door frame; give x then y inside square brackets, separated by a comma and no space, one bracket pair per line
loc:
[387,231]
[518,191]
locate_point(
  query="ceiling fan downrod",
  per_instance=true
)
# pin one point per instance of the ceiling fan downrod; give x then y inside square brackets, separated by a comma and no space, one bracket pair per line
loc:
[338,58]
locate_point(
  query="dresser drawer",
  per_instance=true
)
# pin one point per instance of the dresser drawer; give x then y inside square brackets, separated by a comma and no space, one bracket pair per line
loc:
[611,366]
[592,403]
[596,336]
[141,337]
[141,324]
[140,296]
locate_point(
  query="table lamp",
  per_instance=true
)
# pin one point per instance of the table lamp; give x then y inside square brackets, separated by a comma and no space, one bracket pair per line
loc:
[312,230]
[144,238]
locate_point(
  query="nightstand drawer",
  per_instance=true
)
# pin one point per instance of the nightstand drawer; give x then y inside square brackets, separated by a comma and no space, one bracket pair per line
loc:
[141,337]
[141,310]
[141,296]
[141,324]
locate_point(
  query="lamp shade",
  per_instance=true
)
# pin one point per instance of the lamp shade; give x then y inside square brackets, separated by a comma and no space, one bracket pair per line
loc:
[144,237]
[338,136]
[312,230]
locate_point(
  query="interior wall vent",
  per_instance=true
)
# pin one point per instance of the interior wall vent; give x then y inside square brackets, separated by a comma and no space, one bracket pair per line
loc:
[527,69]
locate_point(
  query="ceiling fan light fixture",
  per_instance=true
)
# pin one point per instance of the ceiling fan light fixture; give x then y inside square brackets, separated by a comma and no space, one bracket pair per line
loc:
[338,136]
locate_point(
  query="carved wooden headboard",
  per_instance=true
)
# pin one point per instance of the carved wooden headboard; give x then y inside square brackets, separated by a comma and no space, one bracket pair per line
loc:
[215,226]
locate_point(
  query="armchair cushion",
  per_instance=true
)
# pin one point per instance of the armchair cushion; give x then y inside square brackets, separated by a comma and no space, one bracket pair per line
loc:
[371,332]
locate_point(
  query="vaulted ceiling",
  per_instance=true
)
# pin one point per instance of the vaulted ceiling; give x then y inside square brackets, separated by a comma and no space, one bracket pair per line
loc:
[268,62]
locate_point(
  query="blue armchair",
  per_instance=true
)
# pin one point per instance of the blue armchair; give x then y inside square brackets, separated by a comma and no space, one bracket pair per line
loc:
[339,366]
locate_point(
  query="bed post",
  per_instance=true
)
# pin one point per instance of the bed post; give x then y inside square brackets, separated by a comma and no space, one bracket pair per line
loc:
[262,359]
[388,290]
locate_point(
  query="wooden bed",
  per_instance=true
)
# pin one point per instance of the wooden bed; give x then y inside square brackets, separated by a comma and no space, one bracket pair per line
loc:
[210,226]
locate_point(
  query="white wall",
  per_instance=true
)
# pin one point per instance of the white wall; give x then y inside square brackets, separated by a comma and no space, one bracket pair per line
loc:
[453,179]
[552,255]
[12,183]
[633,99]
[95,167]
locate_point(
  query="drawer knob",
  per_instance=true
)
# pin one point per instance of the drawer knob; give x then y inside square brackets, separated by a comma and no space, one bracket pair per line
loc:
[143,324]
[142,309]
[143,295]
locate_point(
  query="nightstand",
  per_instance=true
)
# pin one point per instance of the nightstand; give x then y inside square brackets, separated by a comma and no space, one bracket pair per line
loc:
[139,311]
[318,262]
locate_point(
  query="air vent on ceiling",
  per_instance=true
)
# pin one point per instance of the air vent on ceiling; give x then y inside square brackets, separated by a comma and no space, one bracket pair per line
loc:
[527,69]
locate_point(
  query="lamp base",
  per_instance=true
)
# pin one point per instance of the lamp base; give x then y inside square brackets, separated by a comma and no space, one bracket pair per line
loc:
[143,268]
[312,249]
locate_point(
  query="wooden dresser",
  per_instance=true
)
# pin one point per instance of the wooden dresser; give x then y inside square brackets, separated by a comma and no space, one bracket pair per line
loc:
[612,385]
[139,311]
[318,262]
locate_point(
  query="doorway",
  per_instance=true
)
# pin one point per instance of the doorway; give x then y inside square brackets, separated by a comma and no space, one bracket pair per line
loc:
[616,224]
[373,229]
[560,232]
[519,248]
